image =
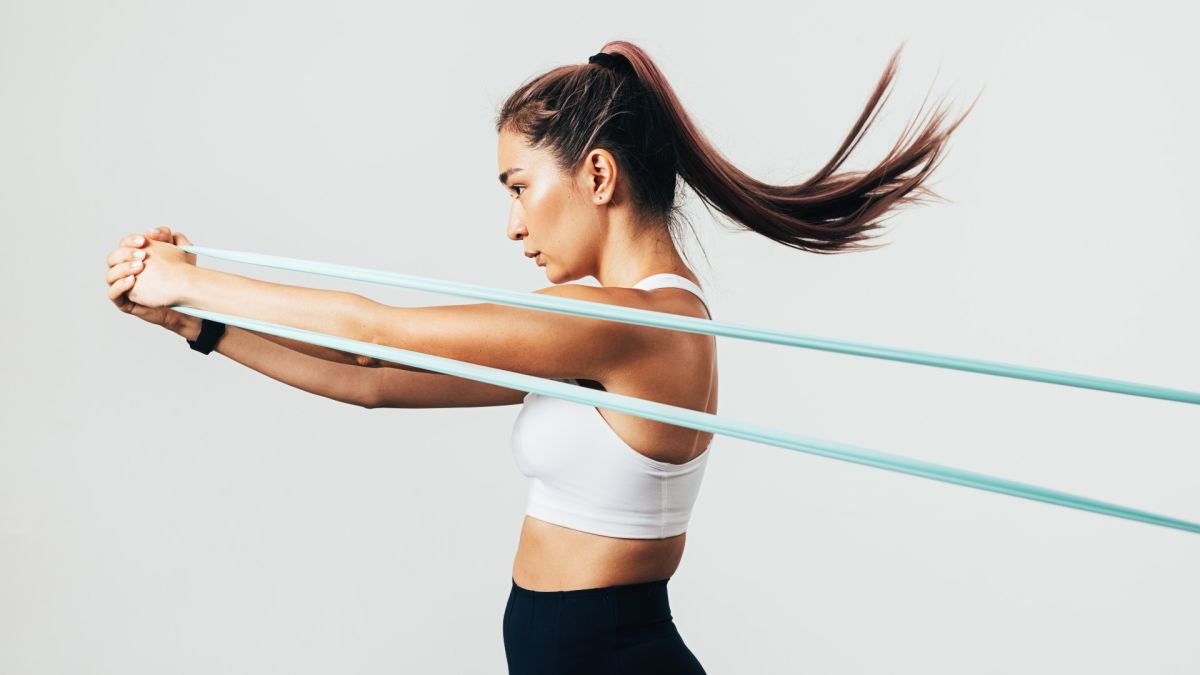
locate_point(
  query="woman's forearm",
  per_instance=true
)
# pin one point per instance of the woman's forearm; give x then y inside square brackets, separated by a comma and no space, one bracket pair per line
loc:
[335,313]
[338,313]
[189,328]
[345,382]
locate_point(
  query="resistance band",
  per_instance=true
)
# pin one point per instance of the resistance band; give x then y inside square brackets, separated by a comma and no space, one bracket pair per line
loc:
[685,417]
[690,324]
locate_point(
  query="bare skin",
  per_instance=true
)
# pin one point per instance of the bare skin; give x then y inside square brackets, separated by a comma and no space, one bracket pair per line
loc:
[554,558]
[583,225]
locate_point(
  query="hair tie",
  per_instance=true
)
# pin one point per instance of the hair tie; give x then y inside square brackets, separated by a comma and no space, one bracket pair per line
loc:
[614,62]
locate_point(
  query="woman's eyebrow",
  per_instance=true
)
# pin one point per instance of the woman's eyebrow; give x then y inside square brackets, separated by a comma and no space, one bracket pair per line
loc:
[508,172]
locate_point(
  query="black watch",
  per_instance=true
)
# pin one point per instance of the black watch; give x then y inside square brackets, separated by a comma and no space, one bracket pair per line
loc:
[210,332]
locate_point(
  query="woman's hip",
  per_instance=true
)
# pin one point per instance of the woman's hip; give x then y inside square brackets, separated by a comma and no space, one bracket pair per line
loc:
[625,628]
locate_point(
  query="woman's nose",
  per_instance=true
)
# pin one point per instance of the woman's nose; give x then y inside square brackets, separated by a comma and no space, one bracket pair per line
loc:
[516,231]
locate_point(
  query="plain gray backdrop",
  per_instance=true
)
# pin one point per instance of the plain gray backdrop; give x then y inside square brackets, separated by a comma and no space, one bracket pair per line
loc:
[165,512]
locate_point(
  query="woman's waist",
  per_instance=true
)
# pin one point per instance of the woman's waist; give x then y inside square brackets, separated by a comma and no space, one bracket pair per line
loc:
[552,557]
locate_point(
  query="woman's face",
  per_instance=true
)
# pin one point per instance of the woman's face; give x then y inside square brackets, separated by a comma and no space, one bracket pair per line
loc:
[550,213]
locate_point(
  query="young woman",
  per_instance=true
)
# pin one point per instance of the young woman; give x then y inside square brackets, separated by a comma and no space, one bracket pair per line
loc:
[591,155]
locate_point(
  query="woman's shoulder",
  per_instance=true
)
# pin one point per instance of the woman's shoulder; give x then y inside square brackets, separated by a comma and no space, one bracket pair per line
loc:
[669,299]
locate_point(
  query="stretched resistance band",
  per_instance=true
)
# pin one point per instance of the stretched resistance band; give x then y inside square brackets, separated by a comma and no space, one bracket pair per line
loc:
[692,419]
[690,324]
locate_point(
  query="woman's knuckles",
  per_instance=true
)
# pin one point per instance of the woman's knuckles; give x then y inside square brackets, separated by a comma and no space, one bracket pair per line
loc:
[121,271]
[123,254]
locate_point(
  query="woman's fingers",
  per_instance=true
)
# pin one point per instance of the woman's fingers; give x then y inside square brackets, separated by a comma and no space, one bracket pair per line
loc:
[119,255]
[126,261]
[136,240]
[117,291]
[132,240]
[160,233]
[121,270]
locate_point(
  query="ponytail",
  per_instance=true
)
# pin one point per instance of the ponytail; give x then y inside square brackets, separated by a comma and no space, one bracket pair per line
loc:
[575,108]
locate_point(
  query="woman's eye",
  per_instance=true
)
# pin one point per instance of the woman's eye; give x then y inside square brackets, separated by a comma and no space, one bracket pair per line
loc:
[518,187]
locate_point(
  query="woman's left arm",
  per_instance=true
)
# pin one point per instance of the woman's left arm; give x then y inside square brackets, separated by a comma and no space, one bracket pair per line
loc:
[337,313]
[534,342]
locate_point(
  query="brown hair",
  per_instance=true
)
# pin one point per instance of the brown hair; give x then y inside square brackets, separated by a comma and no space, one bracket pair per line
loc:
[632,111]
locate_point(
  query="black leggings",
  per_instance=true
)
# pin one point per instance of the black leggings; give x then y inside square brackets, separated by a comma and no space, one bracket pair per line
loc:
[624,629]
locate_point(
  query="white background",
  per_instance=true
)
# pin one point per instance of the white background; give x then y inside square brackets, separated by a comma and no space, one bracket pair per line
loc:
[161,511]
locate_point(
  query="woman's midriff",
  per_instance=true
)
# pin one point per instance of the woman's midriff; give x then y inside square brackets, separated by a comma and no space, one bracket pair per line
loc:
[555,558]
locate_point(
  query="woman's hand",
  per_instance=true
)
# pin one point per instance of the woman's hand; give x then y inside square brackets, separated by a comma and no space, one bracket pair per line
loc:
[127,261]
[164,276]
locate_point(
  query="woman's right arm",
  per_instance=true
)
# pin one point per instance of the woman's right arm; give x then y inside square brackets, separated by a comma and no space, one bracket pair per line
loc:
[325,353]
[343,382]
[365,387]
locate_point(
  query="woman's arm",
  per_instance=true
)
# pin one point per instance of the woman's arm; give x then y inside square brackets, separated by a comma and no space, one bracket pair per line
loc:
[131,249]
[325,353]
[365,387]
[338,381]
[331,312]
[538,343]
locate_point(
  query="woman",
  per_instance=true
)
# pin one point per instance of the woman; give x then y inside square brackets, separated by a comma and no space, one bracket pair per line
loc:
[591,155]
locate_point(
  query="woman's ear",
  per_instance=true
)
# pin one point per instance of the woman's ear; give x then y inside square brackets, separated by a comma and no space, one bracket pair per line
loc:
[601,175]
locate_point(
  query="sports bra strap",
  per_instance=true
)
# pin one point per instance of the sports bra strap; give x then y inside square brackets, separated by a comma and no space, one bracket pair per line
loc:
[669,280]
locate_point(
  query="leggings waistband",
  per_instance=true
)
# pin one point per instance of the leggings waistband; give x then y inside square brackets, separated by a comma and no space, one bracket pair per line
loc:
[643,588]
[634,602]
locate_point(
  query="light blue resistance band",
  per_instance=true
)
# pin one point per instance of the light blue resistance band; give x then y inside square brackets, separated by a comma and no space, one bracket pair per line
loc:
[685,417]
[693,325]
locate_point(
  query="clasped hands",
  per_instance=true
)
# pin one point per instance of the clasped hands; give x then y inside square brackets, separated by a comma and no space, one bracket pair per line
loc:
[147,273]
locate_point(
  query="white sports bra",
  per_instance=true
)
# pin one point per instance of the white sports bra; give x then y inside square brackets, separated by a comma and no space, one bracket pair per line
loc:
[582,475]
